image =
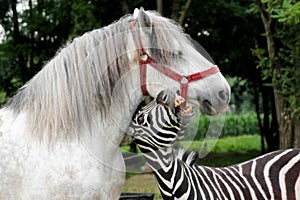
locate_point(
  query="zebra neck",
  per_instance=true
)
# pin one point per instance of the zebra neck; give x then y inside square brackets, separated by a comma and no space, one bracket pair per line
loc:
[158,158]
[164,164]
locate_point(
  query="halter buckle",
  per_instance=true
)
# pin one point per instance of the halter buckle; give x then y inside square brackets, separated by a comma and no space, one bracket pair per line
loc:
[184,80]
[144,57]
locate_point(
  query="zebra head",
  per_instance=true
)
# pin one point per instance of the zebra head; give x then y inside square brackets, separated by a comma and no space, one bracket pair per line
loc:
[158,124]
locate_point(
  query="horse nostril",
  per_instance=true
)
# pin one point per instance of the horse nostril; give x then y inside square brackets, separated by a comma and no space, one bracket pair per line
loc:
[224,96]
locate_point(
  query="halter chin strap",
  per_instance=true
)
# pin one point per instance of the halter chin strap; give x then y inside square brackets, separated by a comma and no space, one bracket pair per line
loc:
[183,80]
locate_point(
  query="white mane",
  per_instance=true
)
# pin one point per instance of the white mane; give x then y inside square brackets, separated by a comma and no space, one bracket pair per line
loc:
[77,83]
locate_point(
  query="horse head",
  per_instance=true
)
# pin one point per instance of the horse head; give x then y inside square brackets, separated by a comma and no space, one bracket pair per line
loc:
[168,59]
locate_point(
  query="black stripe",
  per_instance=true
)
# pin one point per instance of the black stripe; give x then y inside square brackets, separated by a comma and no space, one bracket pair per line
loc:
[214,183]
[239,181]
[202,186]
[194,192]
[246,167]
[259,172]
[291,177]
[221,181]
[274,172]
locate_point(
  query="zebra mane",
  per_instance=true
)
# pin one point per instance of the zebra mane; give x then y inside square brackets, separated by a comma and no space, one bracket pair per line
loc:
[189,158]
[78,83]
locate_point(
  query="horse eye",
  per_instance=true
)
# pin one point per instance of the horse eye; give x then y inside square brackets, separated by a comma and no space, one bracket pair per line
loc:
[180,53]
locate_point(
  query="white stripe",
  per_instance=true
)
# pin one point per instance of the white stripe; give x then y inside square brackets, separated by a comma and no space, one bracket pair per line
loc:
[217,182]
[178,184]
[282,173]
[229,169]
[156,159]
[197,186]
[227,187]
[253,169]
[233,183]
[297,188]
[175,168]
[217,190]
[267,171]
[252,193]
[187,193]
[204,182]
[163,191]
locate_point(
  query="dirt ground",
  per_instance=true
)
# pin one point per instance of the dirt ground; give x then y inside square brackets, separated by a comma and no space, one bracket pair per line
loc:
[144,183]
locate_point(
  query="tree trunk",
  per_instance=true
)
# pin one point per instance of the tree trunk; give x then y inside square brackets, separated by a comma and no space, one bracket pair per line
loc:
[284,120]
[16,32]
[19,40]
[257,110]
[296,127]
[159,7]
[288,127]
[32,42]
[274,130]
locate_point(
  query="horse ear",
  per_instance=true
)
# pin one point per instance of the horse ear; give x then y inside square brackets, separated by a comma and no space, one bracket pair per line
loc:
[144,21]
[135,13]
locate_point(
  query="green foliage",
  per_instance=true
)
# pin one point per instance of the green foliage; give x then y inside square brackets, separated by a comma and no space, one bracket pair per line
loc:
[289,55]
[241,99]
[2,97]
[263,62]
[35,33]
[235,125]
[83,22]
[287,12]
[285,16]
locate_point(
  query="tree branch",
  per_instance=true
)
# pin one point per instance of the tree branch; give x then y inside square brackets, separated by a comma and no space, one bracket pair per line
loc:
[267,21]
[184,11]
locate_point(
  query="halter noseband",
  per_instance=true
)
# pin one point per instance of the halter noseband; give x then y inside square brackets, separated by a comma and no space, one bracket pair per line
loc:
[183,80]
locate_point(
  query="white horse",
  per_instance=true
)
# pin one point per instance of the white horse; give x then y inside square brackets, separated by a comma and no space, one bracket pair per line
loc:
[60,134]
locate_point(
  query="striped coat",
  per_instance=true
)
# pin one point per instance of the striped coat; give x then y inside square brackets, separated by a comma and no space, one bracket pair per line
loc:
[274,176]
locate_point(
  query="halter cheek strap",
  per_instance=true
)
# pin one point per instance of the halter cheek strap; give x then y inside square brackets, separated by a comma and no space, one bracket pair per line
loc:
[181,79]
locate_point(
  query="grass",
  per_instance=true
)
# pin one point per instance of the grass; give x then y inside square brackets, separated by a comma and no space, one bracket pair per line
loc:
[240,144]
[142,183]
[225,152]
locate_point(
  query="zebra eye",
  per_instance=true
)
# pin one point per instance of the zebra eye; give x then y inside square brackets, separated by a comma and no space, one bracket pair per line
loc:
[140,119]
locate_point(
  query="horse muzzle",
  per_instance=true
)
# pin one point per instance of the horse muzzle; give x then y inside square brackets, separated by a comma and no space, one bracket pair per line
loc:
[217,104]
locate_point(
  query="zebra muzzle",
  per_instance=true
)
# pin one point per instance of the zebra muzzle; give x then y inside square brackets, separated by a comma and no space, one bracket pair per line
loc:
[178,101]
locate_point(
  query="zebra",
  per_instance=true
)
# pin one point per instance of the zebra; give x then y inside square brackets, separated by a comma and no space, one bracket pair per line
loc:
[157,126]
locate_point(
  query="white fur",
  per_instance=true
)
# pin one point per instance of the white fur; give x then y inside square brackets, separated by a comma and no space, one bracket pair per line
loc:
[60,134]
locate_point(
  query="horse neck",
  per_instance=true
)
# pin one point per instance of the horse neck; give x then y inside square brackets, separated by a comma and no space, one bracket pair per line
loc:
[80,100]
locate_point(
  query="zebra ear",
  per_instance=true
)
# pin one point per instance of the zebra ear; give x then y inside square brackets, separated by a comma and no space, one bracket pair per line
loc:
[144,21]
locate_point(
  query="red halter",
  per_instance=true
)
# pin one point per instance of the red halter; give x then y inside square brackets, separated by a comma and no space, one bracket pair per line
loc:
[182,79]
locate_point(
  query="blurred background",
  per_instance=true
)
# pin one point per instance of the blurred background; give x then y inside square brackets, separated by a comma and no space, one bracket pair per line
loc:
[256,44]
